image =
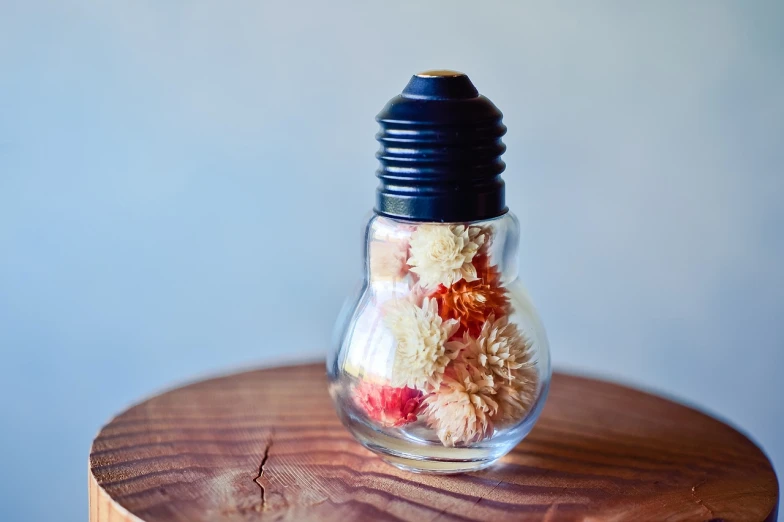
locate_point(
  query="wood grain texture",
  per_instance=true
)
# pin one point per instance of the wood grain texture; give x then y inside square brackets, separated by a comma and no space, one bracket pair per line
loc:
[267,445]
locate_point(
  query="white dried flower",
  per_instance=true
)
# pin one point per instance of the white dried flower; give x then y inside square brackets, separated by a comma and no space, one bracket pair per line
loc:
[387,259]
[460,411]
[442,254]
[422,350]
[500,348]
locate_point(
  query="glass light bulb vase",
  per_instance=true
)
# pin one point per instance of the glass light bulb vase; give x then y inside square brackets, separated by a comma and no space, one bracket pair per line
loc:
[440,363]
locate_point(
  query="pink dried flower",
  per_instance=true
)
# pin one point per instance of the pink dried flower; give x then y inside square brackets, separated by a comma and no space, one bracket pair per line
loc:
[387,260]
[391,407]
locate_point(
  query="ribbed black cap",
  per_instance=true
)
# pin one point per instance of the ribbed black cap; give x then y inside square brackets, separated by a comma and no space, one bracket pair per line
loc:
[440,152]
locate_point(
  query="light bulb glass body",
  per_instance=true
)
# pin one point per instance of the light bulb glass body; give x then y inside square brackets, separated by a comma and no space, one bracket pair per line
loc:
[440,363]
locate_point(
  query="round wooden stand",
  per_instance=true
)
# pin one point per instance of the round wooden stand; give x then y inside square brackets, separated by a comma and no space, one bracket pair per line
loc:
[267,445]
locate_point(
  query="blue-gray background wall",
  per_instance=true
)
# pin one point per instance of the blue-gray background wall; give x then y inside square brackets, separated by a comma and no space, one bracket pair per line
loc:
[183,186]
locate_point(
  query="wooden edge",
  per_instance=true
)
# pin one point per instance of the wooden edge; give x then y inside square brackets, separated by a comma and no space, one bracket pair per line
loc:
[103,507]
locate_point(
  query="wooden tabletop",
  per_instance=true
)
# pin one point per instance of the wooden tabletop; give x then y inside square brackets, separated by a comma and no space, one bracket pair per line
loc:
[267,445]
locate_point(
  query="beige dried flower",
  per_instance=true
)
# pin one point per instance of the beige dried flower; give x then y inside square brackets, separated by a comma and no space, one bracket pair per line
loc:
[516,397]
[500,348]
[387,259]
[461,409]
[442,254]
[423,349]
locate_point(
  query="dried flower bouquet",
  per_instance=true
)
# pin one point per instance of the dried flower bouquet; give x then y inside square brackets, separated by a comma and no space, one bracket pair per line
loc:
[460,364]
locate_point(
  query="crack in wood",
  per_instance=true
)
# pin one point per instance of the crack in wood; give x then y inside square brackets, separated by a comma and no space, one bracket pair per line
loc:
[257,478]
[438,515]
[489,492]
[699,501]
[478,500]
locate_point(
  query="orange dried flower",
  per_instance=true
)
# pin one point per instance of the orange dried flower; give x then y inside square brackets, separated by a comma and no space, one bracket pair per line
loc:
[473,302]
